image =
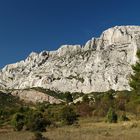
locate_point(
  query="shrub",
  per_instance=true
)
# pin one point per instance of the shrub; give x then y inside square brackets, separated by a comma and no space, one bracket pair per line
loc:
[18,121]
[37,122]
[134,106]
[23,109]
[123,117]
[68,115]
[112,116]
[84,109]
[54,112]
[122,98]
[69,98]
[85,98]
[99,112]
[39,136]
[103,103]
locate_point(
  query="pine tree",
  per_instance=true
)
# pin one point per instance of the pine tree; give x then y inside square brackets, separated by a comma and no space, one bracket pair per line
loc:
[135,77]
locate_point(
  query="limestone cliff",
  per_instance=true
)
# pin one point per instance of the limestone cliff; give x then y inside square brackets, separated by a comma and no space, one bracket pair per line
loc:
[101,64]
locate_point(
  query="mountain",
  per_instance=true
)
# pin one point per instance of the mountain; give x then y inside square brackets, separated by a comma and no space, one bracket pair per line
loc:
[101,64]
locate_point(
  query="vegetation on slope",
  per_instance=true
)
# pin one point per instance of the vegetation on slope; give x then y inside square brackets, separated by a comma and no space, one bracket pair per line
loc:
[111,106]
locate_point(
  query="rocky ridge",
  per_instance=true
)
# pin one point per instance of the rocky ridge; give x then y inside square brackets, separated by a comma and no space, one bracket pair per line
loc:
[101,64]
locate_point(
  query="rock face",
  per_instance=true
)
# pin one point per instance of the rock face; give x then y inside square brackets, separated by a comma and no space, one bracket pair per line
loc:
[35,96]
[101,64]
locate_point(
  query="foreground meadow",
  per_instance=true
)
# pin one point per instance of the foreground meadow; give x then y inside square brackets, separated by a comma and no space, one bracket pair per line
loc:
[87,129]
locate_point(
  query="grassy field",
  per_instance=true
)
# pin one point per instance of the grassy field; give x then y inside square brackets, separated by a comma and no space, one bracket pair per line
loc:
[86,130]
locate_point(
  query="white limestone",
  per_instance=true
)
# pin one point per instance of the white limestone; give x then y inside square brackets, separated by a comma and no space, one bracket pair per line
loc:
[101,64]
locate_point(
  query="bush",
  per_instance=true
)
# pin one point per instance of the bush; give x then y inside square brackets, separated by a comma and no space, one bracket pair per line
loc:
[134,107]
[18,121]
[103,103]
[123,117]
[85,98]
[39,136]
[69,97]
[112,116]
[122,98]
[84,109]
[37,122]
[68,115]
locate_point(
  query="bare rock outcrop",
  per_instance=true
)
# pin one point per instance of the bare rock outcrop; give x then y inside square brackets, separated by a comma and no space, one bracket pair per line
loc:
[35,96]
[101,64]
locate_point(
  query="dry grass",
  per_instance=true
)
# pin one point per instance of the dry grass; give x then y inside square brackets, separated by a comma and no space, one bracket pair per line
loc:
[97,131]
[87,130]
[15,136]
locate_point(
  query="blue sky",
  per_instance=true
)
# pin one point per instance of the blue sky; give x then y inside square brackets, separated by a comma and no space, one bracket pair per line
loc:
[36,25]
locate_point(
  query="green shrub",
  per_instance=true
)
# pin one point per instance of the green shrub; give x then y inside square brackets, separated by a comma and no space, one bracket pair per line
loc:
[68,97]
[112,116]
[84,109]
[123,117]
[134,106]
[39,136]
[85,98]
[18,121]
[68,115]
[122,98]
[37,122]
[103,103]
[54,112]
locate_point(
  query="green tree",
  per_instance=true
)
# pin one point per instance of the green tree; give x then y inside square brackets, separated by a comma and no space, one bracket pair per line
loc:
[135,78]
[134,104]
